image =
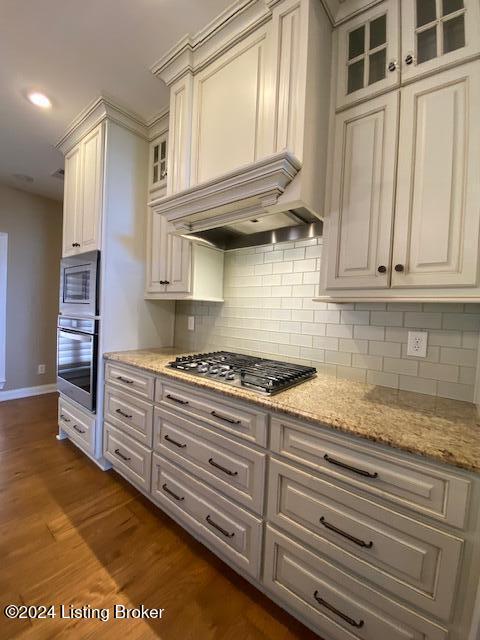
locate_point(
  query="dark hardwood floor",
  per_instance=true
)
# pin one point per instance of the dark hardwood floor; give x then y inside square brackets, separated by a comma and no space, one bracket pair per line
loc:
[71,534]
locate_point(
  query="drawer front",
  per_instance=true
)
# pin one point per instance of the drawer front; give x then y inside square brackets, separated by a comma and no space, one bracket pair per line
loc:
[79,426]
[130,379]
[338,605]
[232,468]
[230,416]
[130,414]
[129,457]
[408,558]
[435,493]
[230,530]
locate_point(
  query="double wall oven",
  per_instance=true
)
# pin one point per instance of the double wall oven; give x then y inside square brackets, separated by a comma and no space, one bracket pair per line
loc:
[77,328]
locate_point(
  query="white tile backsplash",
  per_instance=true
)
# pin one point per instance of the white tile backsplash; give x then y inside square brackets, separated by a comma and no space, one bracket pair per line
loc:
[269,311]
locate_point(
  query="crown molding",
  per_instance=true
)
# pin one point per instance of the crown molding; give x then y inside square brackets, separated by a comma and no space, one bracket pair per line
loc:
[193,52]
[101,109]
[158,124]
[237,195]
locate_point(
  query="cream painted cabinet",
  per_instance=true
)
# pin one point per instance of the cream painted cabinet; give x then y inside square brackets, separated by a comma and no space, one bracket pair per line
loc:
[361,222]
[436,33]
[438,213]
[157,179]
[83,195]
[369,53]
[178,268]
[435,219]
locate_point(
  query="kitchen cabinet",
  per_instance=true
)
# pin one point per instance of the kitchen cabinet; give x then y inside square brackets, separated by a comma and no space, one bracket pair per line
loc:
[83,194]
[157,169]
[178,268]
[434,222]
[394,43]
[368,53]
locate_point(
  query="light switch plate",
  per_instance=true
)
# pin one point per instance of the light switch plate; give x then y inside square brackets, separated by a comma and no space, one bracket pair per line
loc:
[191,323]
[417,344]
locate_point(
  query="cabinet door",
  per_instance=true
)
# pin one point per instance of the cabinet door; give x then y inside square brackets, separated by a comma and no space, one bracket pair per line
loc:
[92,188]
[438,190]
[436,33]
[72,203]
[179,265]
[361,215]
[158,163]
[157,253]
[368,53]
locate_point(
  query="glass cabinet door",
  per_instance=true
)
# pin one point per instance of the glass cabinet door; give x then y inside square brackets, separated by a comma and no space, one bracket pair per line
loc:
[437,33]
[158,162]
[368,53]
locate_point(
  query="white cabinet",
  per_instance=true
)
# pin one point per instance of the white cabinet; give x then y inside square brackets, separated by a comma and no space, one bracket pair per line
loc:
[178,268]
[157,168]
[360,228]
[437,214]
[435,218]
[436,33]
[368,53]
[83,195]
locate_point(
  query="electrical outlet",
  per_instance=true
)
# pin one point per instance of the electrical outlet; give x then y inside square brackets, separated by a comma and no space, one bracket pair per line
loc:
[417,344]
[41,369]
[191,323]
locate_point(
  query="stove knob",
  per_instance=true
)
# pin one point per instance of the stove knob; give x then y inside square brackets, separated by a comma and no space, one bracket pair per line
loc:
[230,376]
[202,368]
[213,371]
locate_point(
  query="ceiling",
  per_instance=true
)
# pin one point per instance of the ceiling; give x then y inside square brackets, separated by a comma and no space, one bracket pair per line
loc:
[73,52]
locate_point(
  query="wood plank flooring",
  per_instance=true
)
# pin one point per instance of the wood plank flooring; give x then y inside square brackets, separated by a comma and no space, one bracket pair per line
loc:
[74,535]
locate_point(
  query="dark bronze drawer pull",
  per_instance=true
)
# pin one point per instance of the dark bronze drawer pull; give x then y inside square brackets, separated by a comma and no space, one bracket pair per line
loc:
[120,455]
[219,528]
[77,428]
[176,399]
[217,415]
[361,472]
[361,543]
[122,413]
[64,418]
[177,444]
[126,380]
[170,493]
[219,466]
[338,613]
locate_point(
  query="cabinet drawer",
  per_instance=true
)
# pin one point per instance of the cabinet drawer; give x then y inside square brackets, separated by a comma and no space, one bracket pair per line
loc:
[237,419]
[130,379]
[79,426]
[410,559]
[339,606]
[423,488]
[130,414]
[230,530]
[232,468]
[128,457]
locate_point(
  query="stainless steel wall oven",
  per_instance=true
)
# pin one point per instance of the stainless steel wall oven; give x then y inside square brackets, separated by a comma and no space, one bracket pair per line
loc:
[79,284]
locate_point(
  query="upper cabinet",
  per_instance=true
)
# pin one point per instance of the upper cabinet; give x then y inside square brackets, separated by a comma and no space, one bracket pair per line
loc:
[248,94]
[393,43]
[157,168]
[83,194]
[369,53]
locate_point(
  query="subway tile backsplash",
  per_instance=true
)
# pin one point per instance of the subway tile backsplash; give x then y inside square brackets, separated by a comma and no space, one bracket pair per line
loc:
[268,311]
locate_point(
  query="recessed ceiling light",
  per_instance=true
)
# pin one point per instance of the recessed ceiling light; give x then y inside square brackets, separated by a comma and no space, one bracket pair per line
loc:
[39,100]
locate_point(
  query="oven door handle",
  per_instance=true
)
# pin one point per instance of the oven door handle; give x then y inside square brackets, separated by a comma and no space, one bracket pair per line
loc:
[75,332]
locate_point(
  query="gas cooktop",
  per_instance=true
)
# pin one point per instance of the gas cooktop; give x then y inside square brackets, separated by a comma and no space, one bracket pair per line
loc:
[258,374]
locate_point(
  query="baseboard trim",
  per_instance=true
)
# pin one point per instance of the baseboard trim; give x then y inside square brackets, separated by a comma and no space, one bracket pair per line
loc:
[26,392]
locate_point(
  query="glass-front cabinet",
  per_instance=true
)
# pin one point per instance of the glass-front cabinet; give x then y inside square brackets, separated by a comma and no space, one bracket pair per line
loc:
[436,33]
[368,53]
[158,163]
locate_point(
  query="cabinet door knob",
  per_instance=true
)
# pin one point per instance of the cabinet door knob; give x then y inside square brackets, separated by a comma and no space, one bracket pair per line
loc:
[399,268]
[392,66]
[382,269]
[167,282]
[409,59]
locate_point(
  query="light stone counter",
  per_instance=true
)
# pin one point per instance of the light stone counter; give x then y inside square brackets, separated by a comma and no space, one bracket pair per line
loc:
[437,428]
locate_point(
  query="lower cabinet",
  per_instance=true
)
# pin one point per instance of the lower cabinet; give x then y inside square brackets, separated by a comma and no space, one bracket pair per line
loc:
[357,541]
[335,603]
[227,528]
[78,424]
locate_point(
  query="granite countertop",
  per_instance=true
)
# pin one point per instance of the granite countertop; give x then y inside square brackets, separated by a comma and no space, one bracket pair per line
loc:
[437,428]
